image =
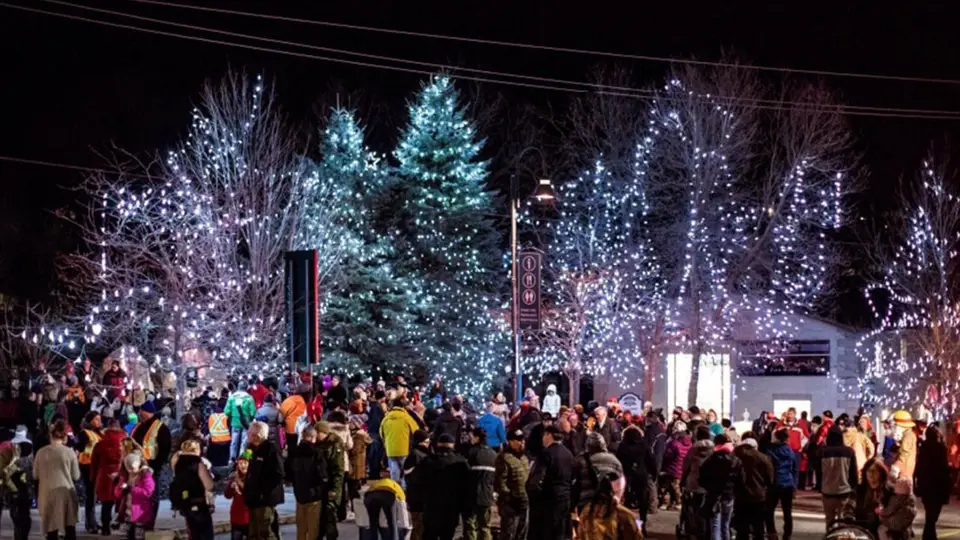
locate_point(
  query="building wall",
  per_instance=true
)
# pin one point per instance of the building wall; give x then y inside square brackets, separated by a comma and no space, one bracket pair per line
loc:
[756,394]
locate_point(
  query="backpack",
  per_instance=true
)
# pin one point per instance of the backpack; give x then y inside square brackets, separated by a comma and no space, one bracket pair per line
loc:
[186,489]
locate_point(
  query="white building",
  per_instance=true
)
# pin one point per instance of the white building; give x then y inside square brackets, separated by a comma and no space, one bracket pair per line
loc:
[817,371]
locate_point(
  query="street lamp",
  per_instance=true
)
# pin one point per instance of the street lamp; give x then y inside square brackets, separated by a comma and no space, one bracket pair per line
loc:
[543,194]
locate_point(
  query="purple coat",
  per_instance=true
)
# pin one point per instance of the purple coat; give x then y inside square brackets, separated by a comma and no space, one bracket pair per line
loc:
[674,455]
[141,506]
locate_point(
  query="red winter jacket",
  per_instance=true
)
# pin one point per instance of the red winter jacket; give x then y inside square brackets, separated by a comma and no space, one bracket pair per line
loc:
[796,437]
[105,462]
[239,511]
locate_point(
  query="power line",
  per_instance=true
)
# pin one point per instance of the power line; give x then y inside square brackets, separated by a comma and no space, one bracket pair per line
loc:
[66,166]
[807,107]
[592,86]
[625,56]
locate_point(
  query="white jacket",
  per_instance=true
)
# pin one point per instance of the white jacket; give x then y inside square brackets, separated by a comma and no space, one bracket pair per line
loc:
[551,402]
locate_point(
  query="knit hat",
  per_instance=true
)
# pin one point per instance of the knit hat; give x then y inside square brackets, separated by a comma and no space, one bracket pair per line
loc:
[246,455]
[607,465]
[679,427]
[752,443]
[515,435]
[322,427]
[595,443]
[243,385]
[420,436]
[148,407]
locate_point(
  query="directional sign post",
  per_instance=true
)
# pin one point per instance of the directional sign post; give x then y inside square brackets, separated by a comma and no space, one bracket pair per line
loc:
[528,316]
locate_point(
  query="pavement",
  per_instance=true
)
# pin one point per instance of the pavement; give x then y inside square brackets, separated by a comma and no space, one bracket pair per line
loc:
[807,517]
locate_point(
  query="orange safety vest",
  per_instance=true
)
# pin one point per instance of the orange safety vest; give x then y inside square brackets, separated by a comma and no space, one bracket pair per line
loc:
[92,439]
[219,432]
[150,439]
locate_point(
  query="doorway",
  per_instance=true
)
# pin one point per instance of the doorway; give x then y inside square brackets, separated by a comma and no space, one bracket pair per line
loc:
[713,387]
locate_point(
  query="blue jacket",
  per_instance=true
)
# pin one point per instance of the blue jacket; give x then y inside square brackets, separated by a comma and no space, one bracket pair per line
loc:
[496,432]
[785,465]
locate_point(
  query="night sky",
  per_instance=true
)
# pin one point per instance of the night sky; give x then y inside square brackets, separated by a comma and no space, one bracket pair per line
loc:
[72,89]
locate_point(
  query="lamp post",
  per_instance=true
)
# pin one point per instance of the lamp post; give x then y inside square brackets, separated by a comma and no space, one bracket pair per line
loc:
[543,193]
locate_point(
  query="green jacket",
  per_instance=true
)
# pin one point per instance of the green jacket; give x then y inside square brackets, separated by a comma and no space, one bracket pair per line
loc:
[510,480]
[332,450]
[240,409]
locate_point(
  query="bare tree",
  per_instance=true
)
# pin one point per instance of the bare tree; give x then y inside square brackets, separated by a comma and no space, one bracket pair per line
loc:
[912,357]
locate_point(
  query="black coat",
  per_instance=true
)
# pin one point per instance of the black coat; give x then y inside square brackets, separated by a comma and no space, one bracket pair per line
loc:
[637,459]
[416,477]
[551,479]
[721,475]
[576,441]
[610,431]
[307,471]
[447,484]
[264,485]
[483,464]
[448,424]
[656,439]
[932,473]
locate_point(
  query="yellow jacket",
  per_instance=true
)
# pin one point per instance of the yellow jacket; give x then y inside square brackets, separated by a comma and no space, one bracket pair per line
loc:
[395,430]
[387,484]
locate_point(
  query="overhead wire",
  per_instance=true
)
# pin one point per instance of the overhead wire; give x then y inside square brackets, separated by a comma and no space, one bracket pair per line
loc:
[779,105]
[570,50]
[54,164]
[646,93]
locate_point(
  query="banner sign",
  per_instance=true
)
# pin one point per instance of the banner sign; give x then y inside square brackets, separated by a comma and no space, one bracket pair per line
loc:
[528,295]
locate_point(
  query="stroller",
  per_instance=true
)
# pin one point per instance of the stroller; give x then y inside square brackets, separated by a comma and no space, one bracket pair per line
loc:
[848,530]
[692,523]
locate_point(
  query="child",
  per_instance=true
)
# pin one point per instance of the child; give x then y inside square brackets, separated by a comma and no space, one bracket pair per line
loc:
[135,495]
[896,519]
[239,513]
[16,462]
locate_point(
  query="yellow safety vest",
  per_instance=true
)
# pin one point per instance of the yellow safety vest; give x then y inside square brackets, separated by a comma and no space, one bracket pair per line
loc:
[219,432]
[150,439]
[92,439]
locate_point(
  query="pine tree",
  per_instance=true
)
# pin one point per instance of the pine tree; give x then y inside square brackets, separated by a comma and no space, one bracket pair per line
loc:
[447,236]
[366,311]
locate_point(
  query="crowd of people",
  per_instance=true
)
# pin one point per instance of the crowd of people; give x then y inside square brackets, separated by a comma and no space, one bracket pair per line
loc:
[398,460]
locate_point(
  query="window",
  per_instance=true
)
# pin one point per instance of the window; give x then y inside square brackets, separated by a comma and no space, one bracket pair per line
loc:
[713,387]
[771,358]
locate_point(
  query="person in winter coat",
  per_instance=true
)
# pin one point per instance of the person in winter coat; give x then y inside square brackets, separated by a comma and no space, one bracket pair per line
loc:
[750,499]
[482,460]
[331,448]
[862,446]
[494,427]
[549,487]
[56,472]
[671,469]
[239,512]
[872,495]
[699,452]
[306,469]
[105,465]
[906,436]
[447,424]
[291,409]
[358,455]
[16,468]
[193,488]
[551,401]
[639,468]
[784,462]
[137,494]
[264,486]
[604,517]
[269,414]
[607,428]
[721,476]
[395,431]
[656,438]
[447,488]
[240,411]
[896,518]
[338,426]
[932,479]
[500,407]
[87,439]
[115,381]
[586,482]
[510,483]
[416,479]
[838,466]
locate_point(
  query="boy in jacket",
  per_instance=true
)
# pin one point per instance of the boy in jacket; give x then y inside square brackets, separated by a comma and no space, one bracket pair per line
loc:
[784,482]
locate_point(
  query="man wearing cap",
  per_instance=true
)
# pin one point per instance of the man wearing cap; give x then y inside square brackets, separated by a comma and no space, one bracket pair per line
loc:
[482,460]
[448,490]
[549,488]
[415,477]
[154,437]
[903,433]
[510,483]
[240,410]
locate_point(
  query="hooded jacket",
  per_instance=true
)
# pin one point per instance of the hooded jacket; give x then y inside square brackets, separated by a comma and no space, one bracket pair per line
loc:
[306,469]
[105,462]
[395,430]
[448,424]
[264,484]
[551,402]
[721,474]
[447,482]
[493,426]
[861,444]
[674,455]
[784,465]
[416,477]
[698,453]
[757,474]
[838,466]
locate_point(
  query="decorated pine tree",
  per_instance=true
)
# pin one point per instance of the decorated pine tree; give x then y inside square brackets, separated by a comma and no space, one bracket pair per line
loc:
[367,308]
[446,236]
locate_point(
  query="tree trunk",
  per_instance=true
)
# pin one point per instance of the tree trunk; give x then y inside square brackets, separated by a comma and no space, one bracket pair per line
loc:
[574,397]
[695,332]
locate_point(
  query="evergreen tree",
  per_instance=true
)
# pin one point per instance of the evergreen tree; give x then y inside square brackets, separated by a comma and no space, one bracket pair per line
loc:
[366,312]
[448,239]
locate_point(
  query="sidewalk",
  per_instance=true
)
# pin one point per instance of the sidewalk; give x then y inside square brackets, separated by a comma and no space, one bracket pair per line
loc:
[809,501]
[168,526]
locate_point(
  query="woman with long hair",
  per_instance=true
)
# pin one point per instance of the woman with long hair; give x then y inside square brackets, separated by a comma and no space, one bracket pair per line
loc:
[873,493]
[56,471]
[604,517]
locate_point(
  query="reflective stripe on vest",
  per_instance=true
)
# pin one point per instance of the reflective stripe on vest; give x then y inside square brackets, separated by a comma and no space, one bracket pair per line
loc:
[92,439]
[219,432]
[150,439]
